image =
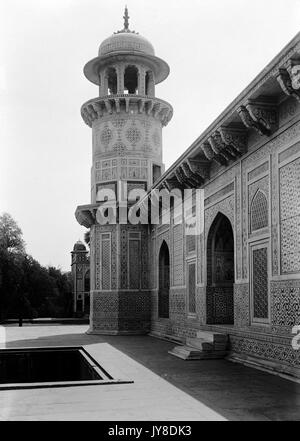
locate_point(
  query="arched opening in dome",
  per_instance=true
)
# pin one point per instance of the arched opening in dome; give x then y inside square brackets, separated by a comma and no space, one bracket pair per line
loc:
[112,81]
[149,83]
[131,80]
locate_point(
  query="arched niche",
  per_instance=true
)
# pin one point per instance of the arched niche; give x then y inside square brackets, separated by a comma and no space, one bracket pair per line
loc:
[220,271]
[163,281]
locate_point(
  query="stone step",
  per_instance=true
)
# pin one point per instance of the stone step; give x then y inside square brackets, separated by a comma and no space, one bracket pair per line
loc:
[189,353]
[207,345]
[213,337]
[200,344]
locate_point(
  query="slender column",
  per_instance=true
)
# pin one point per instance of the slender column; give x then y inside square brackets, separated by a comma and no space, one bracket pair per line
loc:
[151,84]
[141,81]
[105,84]
[121,71]
[83,297]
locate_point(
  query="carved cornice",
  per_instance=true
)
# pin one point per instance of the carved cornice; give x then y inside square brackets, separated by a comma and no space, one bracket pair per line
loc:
[260,116]
[98,107]
[190,174]
[227,137]
[284,78]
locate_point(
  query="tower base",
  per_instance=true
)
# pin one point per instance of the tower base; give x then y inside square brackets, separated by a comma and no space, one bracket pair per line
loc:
[120,312]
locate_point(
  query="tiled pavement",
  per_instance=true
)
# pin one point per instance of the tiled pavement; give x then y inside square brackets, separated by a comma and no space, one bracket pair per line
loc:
[164,388]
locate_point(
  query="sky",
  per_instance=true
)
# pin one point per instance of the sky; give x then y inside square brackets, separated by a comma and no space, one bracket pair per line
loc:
[214,49]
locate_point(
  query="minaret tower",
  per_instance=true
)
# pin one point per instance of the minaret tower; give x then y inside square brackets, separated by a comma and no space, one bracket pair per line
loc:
[126,120]
[80,274]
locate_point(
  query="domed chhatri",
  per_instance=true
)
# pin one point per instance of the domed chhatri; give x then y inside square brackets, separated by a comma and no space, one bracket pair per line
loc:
[79,246]
[125,40]
[126,45]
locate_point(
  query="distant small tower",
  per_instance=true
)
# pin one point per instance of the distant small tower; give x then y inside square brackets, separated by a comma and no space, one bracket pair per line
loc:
[126,120]
[80,267]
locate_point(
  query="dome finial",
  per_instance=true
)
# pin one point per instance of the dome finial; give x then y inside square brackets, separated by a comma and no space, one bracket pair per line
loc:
[126,19]
[126,23]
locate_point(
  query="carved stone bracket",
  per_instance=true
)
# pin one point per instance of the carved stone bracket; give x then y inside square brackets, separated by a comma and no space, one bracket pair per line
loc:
[171,183]
[260,116]
[182,178]
[110,104]
[207,150]
[220,148]
[86,215]
[213,151]
[200,168]
[194,179]
[288,84]
[235,139]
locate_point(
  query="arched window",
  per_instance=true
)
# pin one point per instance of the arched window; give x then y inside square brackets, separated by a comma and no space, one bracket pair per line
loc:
[259,211]
[111,74]
[131,80]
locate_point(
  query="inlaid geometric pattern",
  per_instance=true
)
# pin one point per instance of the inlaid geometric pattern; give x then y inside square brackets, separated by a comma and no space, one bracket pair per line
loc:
[219,304]
[106,261]
[241,305]
[134,263]
[118,123]
[290,217]
[285,297]
[124,258]
[290,245]
[192,287]
[134,168]
[133,135]
[119,148]
[97,257]
[265,349]
[260,283]
[145,271]
[106,170]
[136,132]
[106,136]
[259,211]
[177,255]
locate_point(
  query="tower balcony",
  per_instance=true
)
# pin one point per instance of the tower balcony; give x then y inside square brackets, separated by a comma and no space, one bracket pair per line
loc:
[128,103]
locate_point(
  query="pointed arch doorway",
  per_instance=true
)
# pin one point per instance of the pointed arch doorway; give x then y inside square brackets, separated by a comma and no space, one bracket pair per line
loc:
[163,281]
[220,272]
